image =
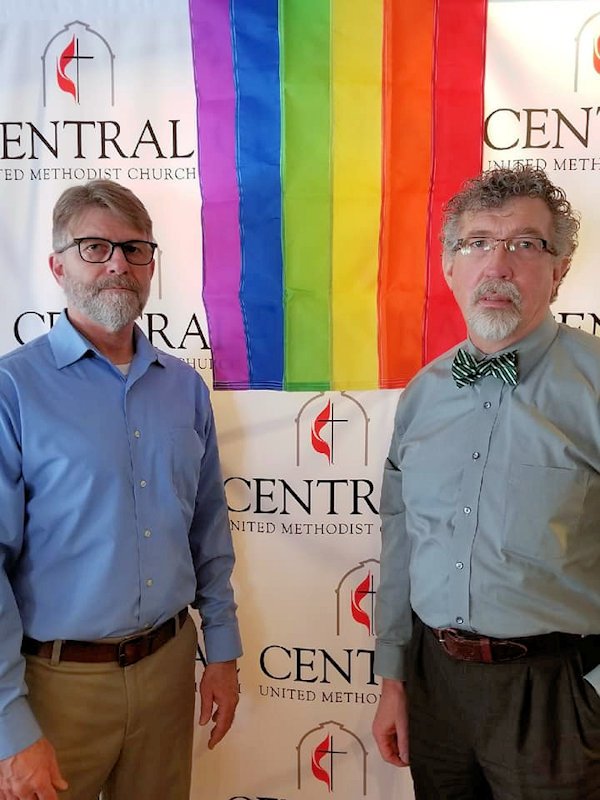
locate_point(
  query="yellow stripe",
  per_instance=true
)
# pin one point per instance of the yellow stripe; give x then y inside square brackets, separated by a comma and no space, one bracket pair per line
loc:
[357,32]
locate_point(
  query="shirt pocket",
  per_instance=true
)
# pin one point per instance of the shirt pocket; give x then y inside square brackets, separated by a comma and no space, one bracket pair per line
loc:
[186,452]
[544,511]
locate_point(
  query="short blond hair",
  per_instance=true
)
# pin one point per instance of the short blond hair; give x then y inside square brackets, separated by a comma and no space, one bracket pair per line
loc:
[101,194]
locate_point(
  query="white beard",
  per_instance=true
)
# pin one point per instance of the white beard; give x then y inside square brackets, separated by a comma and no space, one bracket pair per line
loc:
[495,324]
[114,310]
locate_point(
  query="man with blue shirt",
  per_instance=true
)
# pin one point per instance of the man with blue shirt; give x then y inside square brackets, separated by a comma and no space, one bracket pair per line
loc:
[113,522]
[488,610]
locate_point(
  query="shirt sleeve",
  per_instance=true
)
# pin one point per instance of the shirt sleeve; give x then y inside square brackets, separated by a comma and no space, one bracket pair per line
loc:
[18,727]
[212,548]
[393,616]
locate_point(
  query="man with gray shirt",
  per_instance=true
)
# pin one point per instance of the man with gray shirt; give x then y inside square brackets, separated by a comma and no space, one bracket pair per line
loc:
[488,611]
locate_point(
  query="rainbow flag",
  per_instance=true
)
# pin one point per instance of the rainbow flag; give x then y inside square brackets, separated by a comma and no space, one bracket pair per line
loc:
[331,132]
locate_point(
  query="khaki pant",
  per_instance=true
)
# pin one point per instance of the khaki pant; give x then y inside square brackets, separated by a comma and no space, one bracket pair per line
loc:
[124,731]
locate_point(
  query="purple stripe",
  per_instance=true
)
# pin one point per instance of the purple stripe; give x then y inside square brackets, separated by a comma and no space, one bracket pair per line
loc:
[215,92]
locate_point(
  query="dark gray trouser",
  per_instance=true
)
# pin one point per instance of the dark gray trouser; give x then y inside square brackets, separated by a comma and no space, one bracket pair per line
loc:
[525,730]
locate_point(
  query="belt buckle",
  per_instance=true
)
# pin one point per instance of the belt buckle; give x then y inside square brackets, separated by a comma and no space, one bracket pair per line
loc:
[122,657]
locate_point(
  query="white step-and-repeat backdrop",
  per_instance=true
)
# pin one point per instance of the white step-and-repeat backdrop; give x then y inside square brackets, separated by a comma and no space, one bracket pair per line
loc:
[304,520]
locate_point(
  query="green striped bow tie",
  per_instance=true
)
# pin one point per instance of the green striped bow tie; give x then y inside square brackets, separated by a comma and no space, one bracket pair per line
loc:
[466,370]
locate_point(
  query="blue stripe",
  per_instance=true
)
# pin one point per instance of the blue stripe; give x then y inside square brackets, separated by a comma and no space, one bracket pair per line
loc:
[256,69]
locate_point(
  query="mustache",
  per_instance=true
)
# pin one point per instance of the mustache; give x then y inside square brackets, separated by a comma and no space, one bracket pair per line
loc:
[500,288]
[123,282]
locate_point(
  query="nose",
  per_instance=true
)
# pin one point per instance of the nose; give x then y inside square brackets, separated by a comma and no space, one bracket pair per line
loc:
[117,264]
[499,262]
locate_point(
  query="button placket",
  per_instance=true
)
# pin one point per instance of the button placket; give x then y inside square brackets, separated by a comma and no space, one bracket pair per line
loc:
[139,459]
[476,444]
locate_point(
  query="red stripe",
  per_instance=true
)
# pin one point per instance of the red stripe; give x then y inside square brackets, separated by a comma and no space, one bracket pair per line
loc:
[457,144]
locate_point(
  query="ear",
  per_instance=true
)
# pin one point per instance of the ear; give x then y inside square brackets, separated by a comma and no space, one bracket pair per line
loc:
[559,270]
[447,268]
[55,263]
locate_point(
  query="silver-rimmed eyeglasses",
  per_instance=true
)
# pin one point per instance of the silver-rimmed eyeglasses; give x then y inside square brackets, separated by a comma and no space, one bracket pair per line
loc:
[526,248]
[95,250]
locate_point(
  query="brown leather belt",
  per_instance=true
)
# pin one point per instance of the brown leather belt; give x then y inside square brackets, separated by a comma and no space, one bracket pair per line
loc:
[466,646]
[127,652]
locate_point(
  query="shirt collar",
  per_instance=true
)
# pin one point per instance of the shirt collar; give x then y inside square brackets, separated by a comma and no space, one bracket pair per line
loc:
[69,345]
[530,349]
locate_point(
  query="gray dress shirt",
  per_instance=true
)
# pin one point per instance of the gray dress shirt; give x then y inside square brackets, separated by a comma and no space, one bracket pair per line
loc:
[491,499]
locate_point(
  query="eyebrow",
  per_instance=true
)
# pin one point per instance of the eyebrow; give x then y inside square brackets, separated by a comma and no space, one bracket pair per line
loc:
[487,232]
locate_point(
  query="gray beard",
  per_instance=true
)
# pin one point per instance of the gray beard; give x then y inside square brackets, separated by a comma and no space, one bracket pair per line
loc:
[112,311]
[495,324]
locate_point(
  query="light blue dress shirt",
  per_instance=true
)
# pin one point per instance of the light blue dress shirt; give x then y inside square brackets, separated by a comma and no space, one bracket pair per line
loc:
[113,514]
[491,499]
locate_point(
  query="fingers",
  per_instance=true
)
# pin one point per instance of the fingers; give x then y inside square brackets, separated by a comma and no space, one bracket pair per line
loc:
[388,749]
[223,719]
[206,705]
[48,793]
[390,726]
[31,774]
[389,753]
[56,777]
[219,687]
[402,744]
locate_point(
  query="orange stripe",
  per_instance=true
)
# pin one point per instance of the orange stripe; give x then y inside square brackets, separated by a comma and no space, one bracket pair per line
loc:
[407,89]
[457,147]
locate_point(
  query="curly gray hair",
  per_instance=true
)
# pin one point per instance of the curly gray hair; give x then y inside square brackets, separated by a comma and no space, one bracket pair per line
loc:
[495,187]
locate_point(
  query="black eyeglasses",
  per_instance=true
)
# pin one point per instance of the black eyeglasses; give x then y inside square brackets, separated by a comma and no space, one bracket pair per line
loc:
[99,251]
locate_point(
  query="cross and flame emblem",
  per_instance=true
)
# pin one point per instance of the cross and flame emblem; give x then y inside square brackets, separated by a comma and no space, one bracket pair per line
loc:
[364,591]
[325,750]
[64,81]
[335,756]
[596,54]
[324,418]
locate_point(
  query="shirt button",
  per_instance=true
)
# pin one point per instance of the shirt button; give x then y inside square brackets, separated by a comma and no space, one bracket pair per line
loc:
[459,620]
[459,565]
[142,484]
[475,455]
[137,434]
[487,404]
[147,534]
[149,582]
[467,509]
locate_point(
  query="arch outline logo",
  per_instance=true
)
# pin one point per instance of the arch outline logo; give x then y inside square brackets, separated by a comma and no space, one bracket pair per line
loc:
[78,61]
[333,755]
[319,423]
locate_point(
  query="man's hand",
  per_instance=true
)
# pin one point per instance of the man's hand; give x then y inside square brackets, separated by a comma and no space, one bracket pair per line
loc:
[390,726]
[31,773]
[219,686]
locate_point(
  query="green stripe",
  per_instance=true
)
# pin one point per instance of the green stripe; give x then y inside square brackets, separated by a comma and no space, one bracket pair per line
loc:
[306,185]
